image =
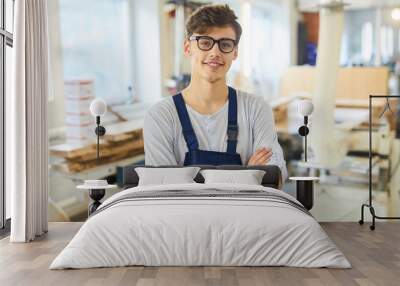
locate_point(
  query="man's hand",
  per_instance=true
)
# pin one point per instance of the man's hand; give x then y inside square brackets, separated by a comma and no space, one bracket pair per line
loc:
[260,157]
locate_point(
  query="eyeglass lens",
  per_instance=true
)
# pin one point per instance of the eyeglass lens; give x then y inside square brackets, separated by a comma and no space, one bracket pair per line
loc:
[225,45]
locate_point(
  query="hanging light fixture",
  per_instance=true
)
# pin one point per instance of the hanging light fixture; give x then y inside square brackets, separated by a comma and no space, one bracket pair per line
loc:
[396,14]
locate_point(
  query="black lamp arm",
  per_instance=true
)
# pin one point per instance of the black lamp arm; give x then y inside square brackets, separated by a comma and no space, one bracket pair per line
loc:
[100,131]
[303,131]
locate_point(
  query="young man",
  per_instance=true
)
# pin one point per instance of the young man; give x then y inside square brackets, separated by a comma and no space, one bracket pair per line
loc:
[209,122]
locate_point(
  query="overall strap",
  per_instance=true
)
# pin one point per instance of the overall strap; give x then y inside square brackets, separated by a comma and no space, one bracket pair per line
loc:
[187,129]
[232,121]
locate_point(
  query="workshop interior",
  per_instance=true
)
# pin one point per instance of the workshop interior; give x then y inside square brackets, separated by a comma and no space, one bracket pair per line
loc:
[131,63]
[78,78]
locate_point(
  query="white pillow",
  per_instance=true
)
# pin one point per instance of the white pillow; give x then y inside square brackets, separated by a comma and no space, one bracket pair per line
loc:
[249,177]
[165,176]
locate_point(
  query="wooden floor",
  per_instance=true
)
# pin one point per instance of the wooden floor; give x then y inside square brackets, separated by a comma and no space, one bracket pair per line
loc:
[374,255]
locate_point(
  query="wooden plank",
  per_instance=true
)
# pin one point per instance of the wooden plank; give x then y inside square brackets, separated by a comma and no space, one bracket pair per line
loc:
[108,145]
[99,171]
[137,134]
[107,155]
[123,127]
[74,166]
[71,151]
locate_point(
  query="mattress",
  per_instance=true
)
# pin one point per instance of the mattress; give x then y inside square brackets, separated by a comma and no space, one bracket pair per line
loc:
[201,225]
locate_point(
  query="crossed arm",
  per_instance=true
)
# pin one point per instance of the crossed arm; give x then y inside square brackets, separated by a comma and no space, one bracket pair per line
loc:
[159,141]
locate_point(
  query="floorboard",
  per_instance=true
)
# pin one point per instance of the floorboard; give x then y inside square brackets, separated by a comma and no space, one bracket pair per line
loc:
[374,255]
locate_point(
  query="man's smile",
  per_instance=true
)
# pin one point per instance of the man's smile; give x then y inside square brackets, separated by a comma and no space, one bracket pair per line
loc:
[213,64]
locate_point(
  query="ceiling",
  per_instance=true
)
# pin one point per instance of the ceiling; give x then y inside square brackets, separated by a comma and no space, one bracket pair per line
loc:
[305,5]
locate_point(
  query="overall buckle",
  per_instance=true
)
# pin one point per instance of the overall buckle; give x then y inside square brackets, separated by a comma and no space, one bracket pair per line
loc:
[232,132]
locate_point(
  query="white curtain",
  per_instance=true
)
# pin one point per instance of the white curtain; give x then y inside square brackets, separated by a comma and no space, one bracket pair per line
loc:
[27,143]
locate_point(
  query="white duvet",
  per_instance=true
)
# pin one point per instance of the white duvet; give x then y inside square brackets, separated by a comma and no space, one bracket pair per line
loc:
[200,231]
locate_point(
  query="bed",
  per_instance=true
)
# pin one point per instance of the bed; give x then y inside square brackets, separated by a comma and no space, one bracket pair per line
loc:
[201,224]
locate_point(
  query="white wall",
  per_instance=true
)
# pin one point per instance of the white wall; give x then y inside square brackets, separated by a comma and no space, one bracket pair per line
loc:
[147,54]
[310,5]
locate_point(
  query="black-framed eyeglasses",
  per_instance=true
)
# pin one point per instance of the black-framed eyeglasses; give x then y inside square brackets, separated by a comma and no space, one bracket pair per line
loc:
[206,43]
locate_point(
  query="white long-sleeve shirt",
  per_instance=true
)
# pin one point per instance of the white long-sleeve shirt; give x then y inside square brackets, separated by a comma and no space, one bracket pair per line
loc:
[164,143]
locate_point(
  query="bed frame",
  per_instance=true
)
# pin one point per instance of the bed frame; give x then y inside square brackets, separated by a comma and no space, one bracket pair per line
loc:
[272,177]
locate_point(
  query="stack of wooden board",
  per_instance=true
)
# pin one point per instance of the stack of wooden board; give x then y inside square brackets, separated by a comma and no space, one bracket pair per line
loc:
[122,140]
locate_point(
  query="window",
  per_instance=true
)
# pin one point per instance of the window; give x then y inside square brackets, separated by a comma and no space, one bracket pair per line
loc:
[398,43]
[367,42]
[387,43]
[266,47]
[6,43]
[96,45]
[359,36]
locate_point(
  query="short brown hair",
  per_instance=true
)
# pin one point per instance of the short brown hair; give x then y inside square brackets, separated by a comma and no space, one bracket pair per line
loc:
[212,15]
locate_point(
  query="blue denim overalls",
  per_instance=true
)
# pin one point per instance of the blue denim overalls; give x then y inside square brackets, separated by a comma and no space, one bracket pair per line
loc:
[195,156]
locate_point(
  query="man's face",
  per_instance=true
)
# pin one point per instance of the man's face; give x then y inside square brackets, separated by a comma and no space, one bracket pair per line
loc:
[211,65]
